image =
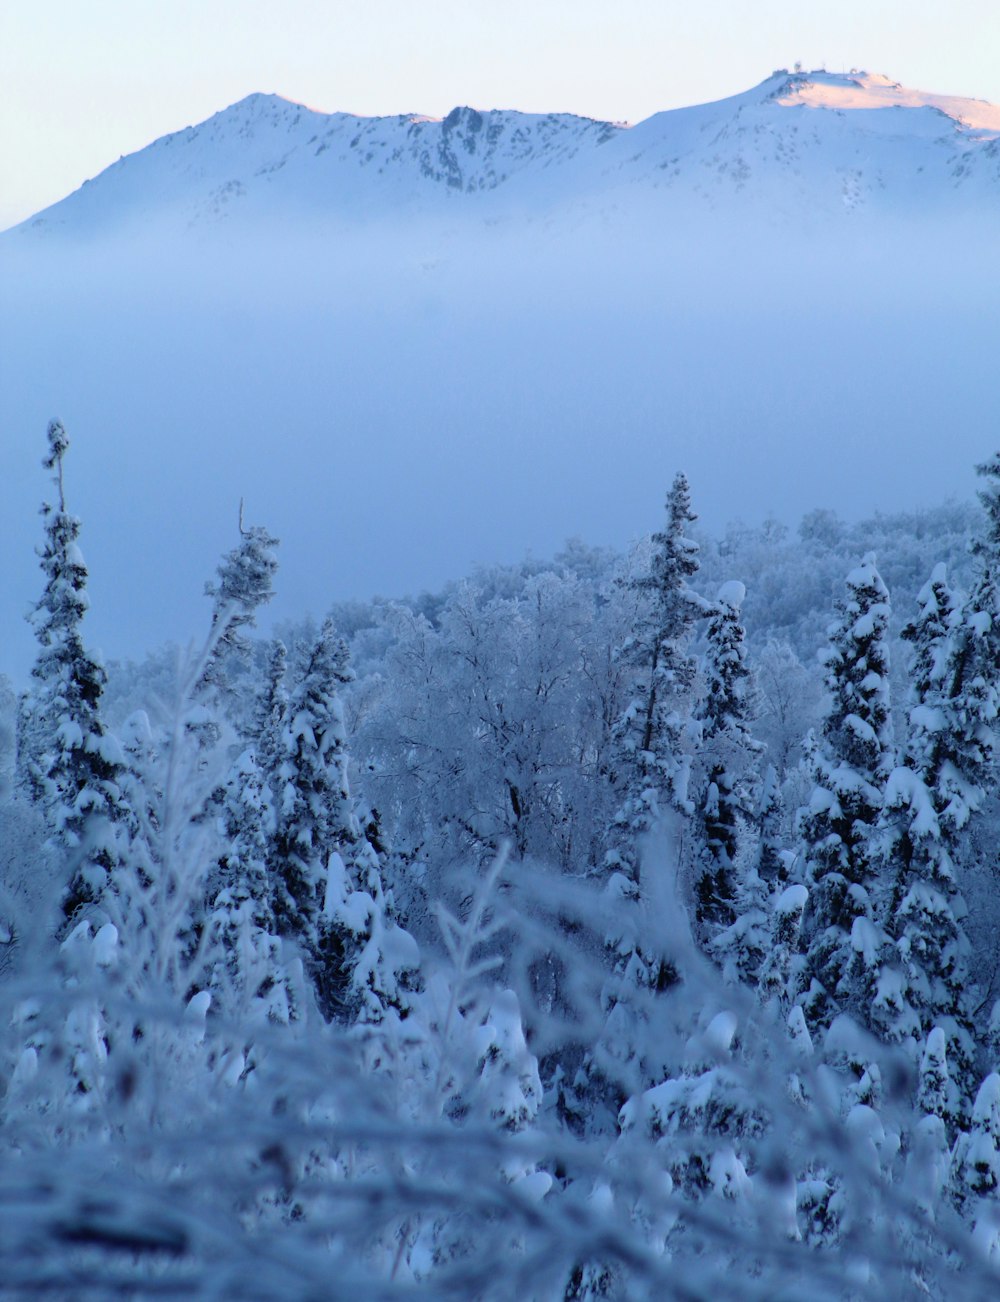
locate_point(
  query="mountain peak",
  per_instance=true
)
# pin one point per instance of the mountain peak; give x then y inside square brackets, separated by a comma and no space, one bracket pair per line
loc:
[463,116]
[860,90]
[263,107]
[258,101]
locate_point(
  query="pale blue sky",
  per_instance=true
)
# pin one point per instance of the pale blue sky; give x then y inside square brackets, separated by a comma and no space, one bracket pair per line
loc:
[85,82]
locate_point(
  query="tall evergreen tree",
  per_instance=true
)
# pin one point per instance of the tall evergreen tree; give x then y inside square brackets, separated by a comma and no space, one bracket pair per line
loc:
[922,974]
[777,975]
[652,765]
[651,769]
[976,1156]
[329,897]
[248,972]
[72,763]
[772,856]
[176,869]
[652,761]
[936,1095]
[245,583]
[728,751]
[270,717]
[760,946]
[850,766]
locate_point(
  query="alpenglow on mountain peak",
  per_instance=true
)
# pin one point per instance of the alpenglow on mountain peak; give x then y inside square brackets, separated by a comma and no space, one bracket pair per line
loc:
[817,142]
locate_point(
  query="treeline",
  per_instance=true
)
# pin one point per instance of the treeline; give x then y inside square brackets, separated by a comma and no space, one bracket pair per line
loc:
[555,939]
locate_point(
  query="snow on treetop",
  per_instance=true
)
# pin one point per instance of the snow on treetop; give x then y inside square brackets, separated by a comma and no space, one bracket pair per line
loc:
[987,1105]
[866,574]
[717,1038]
[732,594]
[791,899]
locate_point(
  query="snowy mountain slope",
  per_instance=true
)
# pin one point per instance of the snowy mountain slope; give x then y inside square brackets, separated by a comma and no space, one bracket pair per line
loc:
[265,151]
[819,143]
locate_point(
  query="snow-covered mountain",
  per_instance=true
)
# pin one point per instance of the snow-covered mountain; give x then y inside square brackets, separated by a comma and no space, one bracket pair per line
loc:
[818,142]
[265,152]
[412,344]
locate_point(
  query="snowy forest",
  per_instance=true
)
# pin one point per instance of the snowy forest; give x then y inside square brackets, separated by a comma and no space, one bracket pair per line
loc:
[614,926]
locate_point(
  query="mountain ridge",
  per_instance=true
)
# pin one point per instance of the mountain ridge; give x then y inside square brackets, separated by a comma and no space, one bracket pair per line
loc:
[779,143]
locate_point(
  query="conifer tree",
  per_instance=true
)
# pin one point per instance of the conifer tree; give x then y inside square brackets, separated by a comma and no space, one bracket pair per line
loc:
[976,1157]
[652,764]
[706,1111]
[245,583]
[936,1095]
[772,857]
[139,783]
[975,1168]
[176,869]
[248,973]
[313,813]
[760,947]
[778,973]
[329,897]
[741,948]
[728,752]
[922,972]
[983,607]
[508,1080]
[72,763]
[850,766]
[269,721]
[651,770]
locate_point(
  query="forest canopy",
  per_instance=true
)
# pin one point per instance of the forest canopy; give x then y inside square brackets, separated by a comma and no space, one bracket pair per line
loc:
[614,926]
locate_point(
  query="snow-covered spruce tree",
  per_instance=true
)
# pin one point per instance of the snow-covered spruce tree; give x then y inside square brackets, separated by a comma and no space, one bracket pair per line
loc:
[248,977]
[955,746]
[975,1173]
[652,764]
[176,782]
[772,855]
[985,596]
[778,973]
[72,764]
[761,945]
[650,768]
[727,755]
[922,973]
[128,1003]
[327,880]
[245,583]
[269,722]
[850,766]
[936,1090]
[139,783]
[703,1121]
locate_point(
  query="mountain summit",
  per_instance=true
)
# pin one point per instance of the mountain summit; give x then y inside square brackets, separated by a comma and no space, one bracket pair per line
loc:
[819,142]
[845,92]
